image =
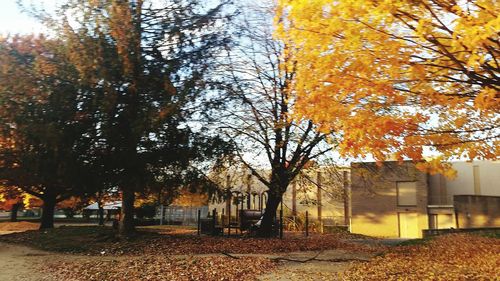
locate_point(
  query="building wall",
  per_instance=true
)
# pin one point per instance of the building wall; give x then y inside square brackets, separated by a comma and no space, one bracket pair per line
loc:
[374,197]
[374,203]
[477,211]
[475,178]
[320,192]
[438,191]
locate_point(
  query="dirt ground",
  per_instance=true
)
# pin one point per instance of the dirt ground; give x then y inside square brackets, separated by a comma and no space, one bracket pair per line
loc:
[20,263]
[17,263]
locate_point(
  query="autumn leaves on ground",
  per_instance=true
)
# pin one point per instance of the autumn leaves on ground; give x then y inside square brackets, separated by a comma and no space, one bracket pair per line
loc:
[93,253]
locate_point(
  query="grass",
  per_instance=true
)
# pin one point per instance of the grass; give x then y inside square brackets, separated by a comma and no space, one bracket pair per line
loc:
[29,219]
[56,220]
[74,239]
[490,234]
[415,242]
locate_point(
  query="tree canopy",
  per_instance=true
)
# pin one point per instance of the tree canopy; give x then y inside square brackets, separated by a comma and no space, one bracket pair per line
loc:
[105,101]
[43,127]
[393,76]
[146,63]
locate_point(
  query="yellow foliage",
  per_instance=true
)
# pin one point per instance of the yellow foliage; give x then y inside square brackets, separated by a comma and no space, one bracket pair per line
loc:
[379,73]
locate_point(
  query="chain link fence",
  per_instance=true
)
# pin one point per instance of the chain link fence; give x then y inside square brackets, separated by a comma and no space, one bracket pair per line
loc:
[178,215]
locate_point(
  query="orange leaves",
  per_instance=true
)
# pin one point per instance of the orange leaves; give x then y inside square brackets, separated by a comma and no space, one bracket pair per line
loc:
[158,268]
[437,165]
[488,99]
[178,241]
[125,33]
[361,62]
[451,257]
[9,196]
[18,226]
[378,135]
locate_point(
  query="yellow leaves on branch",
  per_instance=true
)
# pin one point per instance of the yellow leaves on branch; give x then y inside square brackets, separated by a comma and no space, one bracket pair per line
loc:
[437,165]
[380,72]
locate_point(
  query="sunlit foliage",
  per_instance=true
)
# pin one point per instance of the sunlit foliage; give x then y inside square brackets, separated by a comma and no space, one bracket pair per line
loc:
[393,76]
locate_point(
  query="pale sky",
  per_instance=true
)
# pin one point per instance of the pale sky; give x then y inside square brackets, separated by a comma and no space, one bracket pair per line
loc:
[13,21]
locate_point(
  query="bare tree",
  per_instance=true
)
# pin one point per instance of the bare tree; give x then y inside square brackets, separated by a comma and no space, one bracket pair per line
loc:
[260,122]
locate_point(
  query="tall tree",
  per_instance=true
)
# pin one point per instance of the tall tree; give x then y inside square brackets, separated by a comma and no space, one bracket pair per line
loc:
[146,62]
[42,121]
[393,76]
[260,123]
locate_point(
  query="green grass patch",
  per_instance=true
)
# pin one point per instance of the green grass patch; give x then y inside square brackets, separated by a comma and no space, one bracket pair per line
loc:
[28,219]
[489,234]
[415,242]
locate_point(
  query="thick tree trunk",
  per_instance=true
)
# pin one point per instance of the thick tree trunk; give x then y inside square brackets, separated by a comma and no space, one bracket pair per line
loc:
[13,212]
[127,227]
[266,227]
[49,205]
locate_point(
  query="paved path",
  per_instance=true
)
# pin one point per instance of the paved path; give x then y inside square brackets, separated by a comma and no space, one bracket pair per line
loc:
[17,263]
[320,269]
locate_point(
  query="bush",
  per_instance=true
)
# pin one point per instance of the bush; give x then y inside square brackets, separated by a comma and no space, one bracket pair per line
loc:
[69,212]
[147,210]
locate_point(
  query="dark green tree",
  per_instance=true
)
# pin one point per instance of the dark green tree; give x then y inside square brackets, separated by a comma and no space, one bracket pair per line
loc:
[147,64]
[43,122]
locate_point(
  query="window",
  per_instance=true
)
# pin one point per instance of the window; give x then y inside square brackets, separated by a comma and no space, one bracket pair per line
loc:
[407,193]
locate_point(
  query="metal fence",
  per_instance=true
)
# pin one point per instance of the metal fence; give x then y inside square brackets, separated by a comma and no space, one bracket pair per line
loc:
[218,224]
[177,215]
[325,224]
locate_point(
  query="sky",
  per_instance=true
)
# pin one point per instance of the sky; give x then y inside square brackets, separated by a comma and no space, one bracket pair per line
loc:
[13,21]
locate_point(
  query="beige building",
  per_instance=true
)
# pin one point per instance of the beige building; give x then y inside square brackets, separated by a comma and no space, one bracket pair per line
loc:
[397,200]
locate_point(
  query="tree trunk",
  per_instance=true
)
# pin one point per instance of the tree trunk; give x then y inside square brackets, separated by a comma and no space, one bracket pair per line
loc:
[13,212]
[100,213]
[127,227]
[266,227]
[49,205]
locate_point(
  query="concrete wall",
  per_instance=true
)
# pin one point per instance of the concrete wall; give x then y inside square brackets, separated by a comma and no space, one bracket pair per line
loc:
[374,198]
[477,211]
[485,181]
[320,193]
